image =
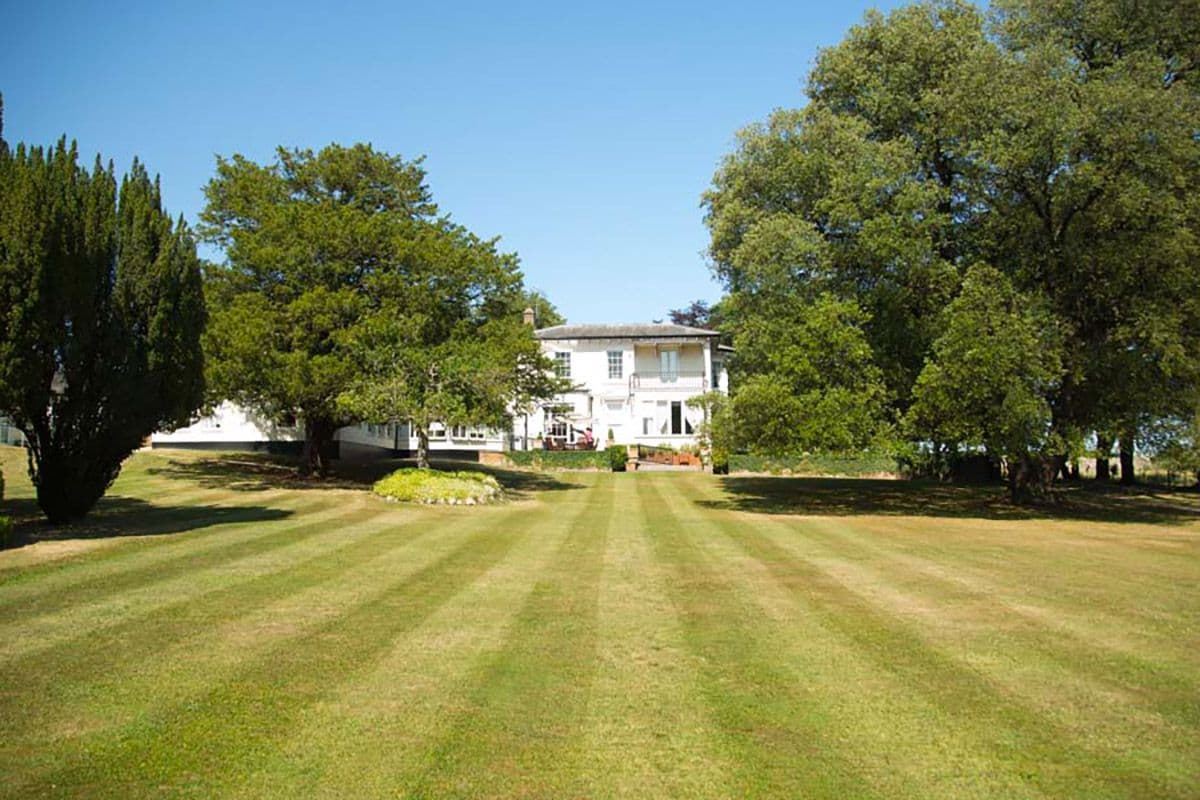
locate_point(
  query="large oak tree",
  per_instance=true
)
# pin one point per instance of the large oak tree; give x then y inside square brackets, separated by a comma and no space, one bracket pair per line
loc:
[1053,140]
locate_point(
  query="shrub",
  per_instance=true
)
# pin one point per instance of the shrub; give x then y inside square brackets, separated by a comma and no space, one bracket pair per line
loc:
[560,459]
[618,456]
[431,486]
[720,462]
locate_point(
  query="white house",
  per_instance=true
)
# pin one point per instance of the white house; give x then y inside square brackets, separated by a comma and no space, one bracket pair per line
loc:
[632,381]
[232,427]
[632,384]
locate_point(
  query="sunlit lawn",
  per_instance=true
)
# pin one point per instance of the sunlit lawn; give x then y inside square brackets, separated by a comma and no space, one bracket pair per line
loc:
[218,629]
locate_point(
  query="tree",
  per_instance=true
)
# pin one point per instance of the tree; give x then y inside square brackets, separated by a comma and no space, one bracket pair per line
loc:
[1087,130]
[988,381]
[807,378]
[716,432]
[698,314]
[103,312]
[1180,449]
[452,348]
[1054,140]
[313,243]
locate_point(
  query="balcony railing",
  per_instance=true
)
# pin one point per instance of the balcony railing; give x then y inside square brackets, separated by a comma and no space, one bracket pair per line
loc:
[668,380]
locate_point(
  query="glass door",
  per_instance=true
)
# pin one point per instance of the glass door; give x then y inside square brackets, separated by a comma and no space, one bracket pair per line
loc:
[668,362]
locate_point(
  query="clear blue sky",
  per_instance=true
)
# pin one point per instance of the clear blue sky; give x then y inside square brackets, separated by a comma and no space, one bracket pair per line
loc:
[583,134]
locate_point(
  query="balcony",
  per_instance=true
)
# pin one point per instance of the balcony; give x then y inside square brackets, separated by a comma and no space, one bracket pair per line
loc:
[681,381]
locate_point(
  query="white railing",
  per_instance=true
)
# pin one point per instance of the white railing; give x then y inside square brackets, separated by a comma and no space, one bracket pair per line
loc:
[668,380]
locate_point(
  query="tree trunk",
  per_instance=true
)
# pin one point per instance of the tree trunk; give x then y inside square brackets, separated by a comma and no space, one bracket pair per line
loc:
[308,456]
[1030,478]
[422,447]
[1127,476]
[1103,448]
[1064,470]
[318,446]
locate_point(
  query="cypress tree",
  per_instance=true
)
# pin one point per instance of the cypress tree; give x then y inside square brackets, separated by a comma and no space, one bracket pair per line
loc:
[101,312]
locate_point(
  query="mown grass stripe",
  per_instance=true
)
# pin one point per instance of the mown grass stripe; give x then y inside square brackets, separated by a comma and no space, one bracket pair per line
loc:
[364,739]
[227,729]
[1009,729]
[46,631]
[950,560]
[773,730]
[190,591]
[247,539]
[132,539]
[521,720]
[648,731]
[1046,637]
[180,651]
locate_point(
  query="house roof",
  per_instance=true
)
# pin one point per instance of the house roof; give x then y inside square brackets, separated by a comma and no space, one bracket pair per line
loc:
[653,330]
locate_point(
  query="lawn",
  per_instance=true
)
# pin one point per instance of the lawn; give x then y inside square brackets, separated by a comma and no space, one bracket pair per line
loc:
[218,629]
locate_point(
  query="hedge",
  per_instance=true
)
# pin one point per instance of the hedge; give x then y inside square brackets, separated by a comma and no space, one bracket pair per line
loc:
[560,459]
[850,464]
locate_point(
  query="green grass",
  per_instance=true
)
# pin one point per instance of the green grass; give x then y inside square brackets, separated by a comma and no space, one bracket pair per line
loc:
[219,628]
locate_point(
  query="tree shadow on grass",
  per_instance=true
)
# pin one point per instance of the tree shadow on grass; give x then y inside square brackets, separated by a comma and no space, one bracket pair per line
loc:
[255,472]
[116,516]
[840,497]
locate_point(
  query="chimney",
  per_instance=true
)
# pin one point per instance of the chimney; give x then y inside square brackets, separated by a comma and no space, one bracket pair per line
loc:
[529,317]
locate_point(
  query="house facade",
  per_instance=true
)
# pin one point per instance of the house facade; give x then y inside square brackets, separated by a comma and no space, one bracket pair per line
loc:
[631,385]
[232,427]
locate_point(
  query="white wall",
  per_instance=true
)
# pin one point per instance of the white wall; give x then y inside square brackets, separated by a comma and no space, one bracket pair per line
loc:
[621,405]
[229,424]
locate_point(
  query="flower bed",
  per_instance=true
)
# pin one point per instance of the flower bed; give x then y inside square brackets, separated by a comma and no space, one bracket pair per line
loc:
[430,486]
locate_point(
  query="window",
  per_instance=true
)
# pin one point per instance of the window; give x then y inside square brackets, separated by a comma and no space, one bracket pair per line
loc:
[562,365]
[556,427]
[668,362]
[467,432]
[616,362]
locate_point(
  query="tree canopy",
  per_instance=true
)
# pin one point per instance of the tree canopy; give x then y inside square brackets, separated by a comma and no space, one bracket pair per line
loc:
[346,296]
[1054,141]
[103,310]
